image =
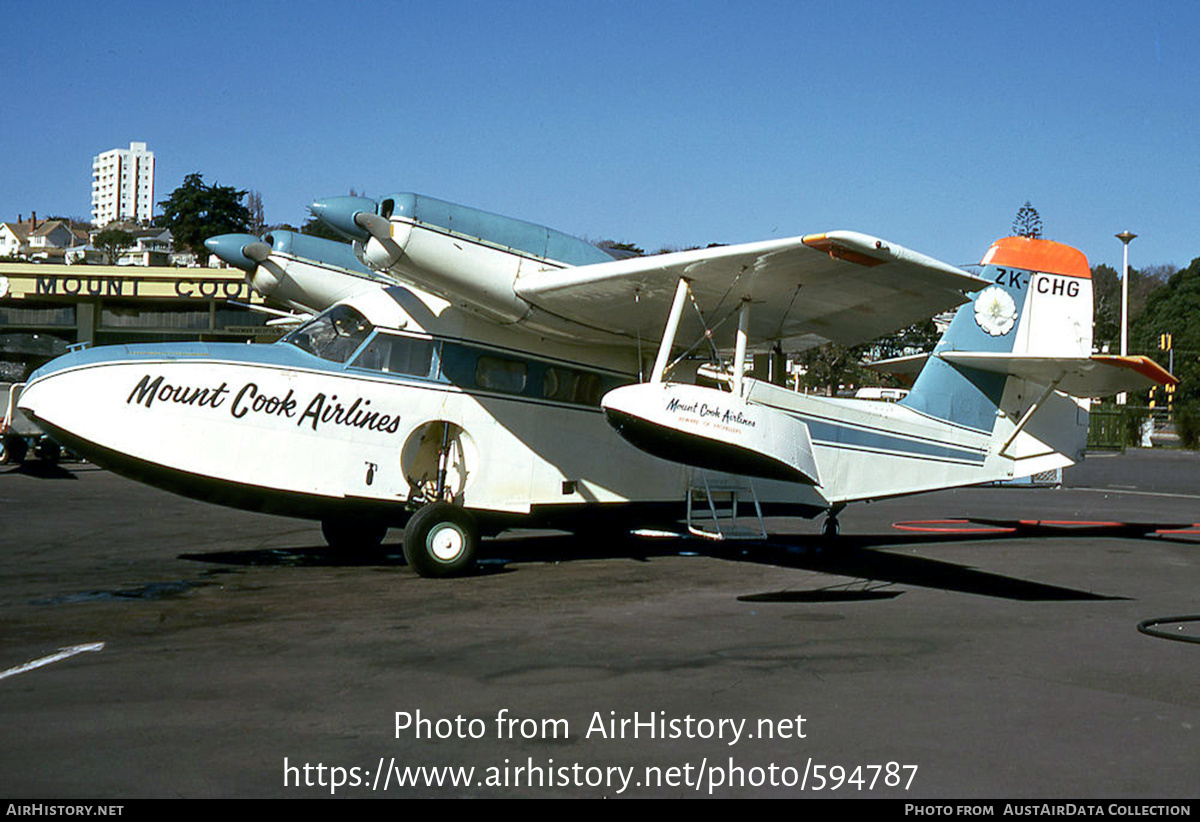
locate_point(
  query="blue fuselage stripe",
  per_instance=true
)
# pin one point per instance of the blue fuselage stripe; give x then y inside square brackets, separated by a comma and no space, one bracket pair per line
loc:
[833,434]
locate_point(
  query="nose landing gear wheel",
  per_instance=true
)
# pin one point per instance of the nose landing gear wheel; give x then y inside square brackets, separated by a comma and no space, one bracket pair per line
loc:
[441,540]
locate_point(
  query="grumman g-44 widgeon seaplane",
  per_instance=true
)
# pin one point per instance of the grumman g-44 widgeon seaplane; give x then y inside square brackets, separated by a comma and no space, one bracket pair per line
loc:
[458,373]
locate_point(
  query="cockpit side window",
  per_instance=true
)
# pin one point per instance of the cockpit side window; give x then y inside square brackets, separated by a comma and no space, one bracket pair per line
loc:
[397,354]
[334,335]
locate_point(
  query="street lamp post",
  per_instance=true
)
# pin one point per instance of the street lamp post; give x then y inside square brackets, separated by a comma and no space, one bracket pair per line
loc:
[1125,237]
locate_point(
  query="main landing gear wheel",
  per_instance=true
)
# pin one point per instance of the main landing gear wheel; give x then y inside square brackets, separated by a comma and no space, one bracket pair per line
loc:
[441,540]
[48,450]
[831,528]
[12,449]
[350,536]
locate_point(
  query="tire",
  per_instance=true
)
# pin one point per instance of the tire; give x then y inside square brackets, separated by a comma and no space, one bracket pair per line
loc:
[441,540]
[12,449]
[351,536]
[48,450]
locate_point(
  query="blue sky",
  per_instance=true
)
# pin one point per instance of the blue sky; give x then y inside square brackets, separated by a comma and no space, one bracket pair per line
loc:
[657,123]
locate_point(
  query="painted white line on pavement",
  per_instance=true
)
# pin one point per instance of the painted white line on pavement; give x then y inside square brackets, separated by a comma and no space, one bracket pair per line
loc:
[63,653]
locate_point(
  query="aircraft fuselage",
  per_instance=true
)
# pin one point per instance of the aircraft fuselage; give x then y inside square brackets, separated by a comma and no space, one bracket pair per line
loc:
[326,426]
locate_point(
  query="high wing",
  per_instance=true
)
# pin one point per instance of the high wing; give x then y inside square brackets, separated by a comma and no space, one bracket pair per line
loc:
[840,286]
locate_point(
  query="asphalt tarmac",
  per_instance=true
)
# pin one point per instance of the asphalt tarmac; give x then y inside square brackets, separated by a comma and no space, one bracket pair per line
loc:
[241,658]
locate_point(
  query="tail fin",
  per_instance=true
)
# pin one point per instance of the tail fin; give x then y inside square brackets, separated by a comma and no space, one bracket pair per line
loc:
[1039,304]
[1001,365]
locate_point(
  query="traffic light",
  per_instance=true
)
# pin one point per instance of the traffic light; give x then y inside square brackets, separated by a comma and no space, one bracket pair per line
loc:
[1164,342]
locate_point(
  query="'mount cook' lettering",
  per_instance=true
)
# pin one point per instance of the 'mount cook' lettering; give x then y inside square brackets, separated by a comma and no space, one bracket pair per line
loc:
[704,410]
[251,399]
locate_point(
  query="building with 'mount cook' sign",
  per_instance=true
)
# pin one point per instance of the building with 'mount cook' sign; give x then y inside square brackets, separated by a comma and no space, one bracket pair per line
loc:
[44,308]
[46,305]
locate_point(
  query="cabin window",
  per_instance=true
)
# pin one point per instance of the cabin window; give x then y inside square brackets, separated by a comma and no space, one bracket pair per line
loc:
[570,385]
[393,354]
[334,335]
[501,374]
[470,367]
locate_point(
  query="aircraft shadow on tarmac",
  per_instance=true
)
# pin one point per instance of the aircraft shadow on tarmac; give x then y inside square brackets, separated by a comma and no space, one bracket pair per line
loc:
[42,469]
[863,558]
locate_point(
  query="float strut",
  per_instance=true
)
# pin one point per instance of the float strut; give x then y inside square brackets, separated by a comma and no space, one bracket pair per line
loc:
[739,352]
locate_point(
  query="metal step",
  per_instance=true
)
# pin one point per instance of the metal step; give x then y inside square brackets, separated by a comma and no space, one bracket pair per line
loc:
[720,497]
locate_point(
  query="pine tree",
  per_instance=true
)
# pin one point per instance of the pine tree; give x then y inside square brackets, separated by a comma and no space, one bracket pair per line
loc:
[1028,222]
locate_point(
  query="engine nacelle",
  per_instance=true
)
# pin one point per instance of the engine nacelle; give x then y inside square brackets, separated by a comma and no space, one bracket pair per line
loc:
[385,247]
[264,280]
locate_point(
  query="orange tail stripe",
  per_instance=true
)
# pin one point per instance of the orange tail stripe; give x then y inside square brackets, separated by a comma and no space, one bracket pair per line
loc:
[1038,255]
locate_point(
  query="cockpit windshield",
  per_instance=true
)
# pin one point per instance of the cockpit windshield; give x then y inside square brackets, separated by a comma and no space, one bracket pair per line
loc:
[333,335]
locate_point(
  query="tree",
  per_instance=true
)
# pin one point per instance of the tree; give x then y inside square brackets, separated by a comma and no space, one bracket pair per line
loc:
[1106,308]
[258,214]
[316,228]
[916,339]
[1106,291]
[830,366]
[1028,222]
[113,242]
[623,249]
[1173,309]
[196,211]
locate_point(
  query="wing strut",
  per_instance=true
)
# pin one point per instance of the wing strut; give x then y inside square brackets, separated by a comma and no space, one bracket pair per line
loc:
[668,338]
[662,362]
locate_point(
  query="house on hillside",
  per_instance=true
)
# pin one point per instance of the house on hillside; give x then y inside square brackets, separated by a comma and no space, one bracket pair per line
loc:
[40,241]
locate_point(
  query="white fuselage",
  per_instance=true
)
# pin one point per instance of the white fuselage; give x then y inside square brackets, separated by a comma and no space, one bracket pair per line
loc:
[277,428]
[453,387]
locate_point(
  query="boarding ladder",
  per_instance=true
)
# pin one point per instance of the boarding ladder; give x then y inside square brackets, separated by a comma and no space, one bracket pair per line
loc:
[712,507]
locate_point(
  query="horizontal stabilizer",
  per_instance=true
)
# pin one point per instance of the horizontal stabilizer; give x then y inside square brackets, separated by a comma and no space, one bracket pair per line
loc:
[1095,376]
[905,369]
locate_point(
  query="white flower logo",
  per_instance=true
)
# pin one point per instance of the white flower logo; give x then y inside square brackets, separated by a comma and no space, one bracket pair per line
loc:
[995,311]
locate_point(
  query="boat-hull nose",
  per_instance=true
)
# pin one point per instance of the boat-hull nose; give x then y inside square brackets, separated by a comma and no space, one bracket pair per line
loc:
[71,393]
[264,428]
[73,398]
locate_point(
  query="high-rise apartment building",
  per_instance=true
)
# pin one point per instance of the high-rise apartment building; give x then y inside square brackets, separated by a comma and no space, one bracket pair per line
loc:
[123,185]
